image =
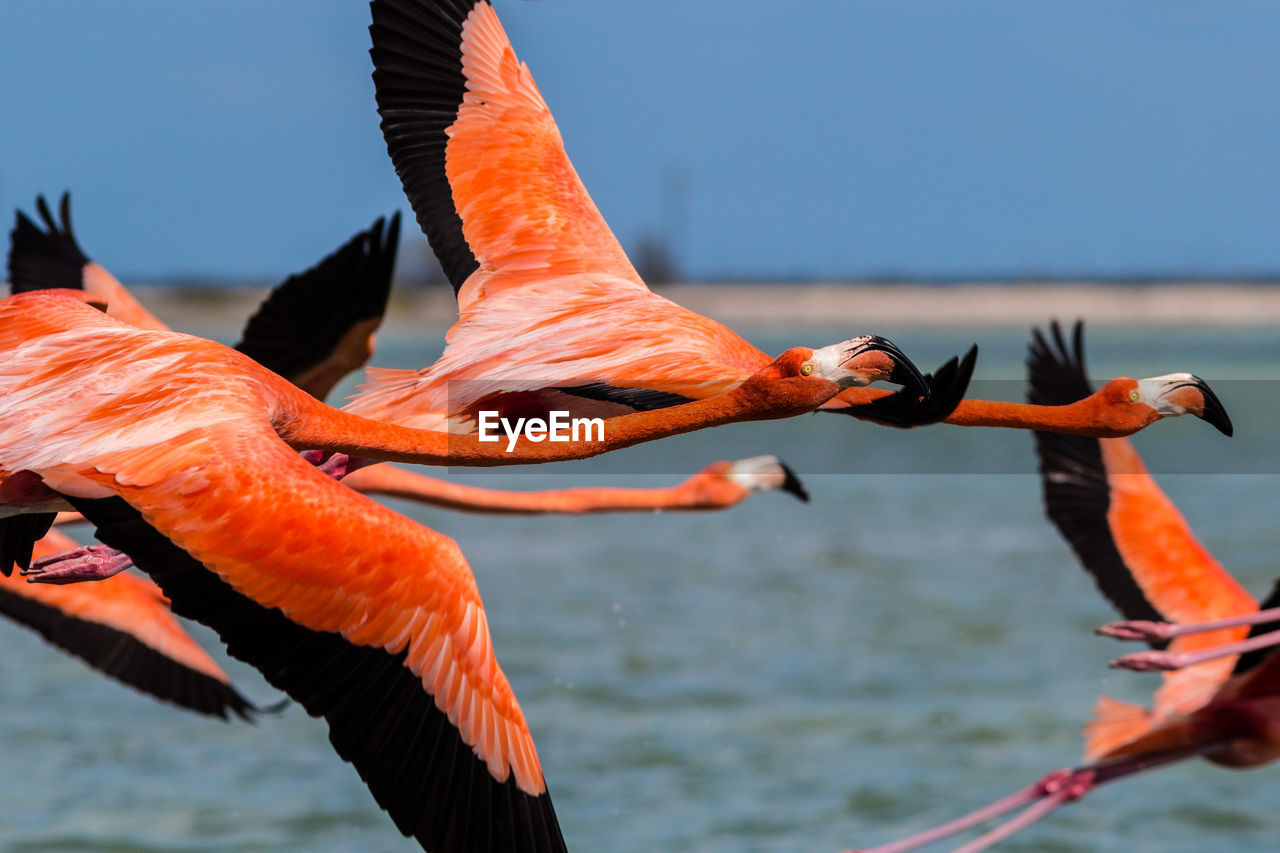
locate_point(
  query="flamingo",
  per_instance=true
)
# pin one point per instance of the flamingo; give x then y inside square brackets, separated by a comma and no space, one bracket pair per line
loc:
[551,312]
[382,632]
[123,628]
[1142,554]
[553,315]
[720,485]
[314,329]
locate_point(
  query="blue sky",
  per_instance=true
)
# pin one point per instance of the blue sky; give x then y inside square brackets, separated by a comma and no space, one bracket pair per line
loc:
[830,139]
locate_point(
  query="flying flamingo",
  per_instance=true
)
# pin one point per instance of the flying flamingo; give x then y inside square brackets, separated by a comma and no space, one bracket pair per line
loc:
[123,628]
[382,632]
[318,326]
[720,485]
[1133,541]
[552,313]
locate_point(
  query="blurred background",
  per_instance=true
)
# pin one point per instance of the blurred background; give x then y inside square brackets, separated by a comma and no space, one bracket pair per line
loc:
[231,140]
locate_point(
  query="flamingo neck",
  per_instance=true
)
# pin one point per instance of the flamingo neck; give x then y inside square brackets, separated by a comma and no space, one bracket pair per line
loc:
[399,483]
[305,424]
[1087,417]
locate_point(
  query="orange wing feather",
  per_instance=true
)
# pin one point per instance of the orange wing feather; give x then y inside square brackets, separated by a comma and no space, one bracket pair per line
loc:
[407,588]
[525,213]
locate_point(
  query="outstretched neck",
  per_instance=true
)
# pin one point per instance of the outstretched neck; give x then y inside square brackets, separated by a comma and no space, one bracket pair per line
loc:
[306,423]
[1088,417]
[400,483]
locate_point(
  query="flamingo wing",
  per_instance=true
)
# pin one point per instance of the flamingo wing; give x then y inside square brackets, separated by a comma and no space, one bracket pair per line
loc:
[362,616]
[479,154]
[317,324]
[48,258]
[123,627]
[1124,529]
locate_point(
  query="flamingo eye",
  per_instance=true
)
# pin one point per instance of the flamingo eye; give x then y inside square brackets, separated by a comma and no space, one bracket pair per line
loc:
[806,368]
[1133,396]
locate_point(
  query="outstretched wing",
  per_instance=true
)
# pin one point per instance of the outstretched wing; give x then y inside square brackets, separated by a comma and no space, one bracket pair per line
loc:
[1125,531]
[122,627]
[314,328]
[381,632]
[478,153]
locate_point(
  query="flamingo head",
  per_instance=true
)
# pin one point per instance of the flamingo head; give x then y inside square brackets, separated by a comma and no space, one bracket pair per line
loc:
[863,360]
[801,379]
[766,474]
[1169,396]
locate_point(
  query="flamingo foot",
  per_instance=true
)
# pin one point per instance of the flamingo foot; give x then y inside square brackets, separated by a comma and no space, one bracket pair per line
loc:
[1165,661]
[336,465]
[90,563]
[1151,661]
[1138,629]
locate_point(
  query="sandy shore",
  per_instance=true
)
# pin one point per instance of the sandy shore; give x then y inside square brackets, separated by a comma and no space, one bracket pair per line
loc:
[752,305]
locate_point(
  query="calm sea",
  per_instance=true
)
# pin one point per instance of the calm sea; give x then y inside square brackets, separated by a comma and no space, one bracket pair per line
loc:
[912,644]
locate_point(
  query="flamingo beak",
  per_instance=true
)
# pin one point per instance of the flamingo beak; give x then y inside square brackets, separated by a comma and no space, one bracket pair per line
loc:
[866,359]
[791,483]
[902,372]
[1184,393]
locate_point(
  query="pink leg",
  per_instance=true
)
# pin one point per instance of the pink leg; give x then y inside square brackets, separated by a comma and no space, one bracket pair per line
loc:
[1161,631]
[90,563]
[1075,786]
[1165,661]
[1029,794]
[1053,791]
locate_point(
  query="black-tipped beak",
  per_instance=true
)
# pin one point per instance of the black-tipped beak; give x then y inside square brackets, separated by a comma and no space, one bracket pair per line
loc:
[1214,412]
[791,483]
[904,373]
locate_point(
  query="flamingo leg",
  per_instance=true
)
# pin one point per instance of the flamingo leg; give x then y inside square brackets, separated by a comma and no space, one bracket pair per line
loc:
[1016,800]
[336,465]
[1161,631]
[1162,661]
[1053,791]
[89,563]
[1074,786]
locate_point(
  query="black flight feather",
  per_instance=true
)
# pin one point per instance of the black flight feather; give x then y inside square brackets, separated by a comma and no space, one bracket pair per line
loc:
[49,258]
[127,659]
[303,319]
[1076,493]
[417,61]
